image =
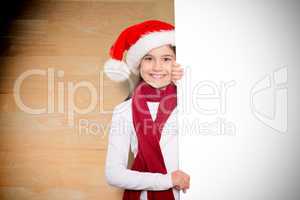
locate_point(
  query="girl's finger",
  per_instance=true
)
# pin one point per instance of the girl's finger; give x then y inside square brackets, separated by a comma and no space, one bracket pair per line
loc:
[176,79]
[176,73]
[177,76]
[177,187]
[176,65]
[179,70]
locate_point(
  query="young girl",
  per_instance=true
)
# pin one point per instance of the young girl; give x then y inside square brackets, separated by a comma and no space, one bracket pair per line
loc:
[146,123]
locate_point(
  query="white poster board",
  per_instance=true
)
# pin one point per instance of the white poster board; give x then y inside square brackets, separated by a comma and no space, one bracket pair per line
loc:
[239,100]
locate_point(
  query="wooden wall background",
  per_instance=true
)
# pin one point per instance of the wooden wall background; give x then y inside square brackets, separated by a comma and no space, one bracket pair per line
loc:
[41,156]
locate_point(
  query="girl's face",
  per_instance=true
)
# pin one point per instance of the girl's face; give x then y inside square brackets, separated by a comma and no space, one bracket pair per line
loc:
[156,66]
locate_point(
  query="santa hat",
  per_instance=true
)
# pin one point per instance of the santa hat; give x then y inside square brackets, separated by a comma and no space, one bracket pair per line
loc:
[138,40]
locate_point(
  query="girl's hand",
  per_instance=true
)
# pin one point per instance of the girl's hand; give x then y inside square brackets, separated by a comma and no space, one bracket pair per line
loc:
[180,180]
[177,72]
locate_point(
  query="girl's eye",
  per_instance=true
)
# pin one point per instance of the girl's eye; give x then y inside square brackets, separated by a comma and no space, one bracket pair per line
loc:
[167,59]
[147,58]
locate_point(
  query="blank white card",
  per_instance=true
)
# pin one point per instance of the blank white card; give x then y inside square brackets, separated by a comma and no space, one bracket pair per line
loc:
[239,99]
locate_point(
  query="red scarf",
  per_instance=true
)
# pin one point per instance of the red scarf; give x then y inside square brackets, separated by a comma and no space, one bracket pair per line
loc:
[149,157]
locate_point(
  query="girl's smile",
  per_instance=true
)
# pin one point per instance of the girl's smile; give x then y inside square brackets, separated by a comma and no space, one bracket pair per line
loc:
[157,76]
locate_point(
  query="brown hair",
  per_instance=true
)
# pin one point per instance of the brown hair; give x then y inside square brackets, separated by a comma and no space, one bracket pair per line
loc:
[140,78]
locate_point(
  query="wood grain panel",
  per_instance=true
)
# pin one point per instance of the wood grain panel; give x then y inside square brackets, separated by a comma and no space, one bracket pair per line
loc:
[42,157]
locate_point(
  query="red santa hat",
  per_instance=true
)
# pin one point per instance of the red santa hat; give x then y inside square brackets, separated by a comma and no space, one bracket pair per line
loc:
[138,40]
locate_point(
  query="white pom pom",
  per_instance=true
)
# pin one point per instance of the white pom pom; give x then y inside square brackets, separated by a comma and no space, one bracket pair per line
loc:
[116,70]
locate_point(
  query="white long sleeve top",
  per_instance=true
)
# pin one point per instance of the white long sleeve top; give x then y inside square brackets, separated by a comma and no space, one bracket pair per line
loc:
[122,138]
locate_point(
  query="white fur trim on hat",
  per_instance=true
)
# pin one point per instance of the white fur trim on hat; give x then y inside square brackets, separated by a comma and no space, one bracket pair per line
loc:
[143,45]
[116,70]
